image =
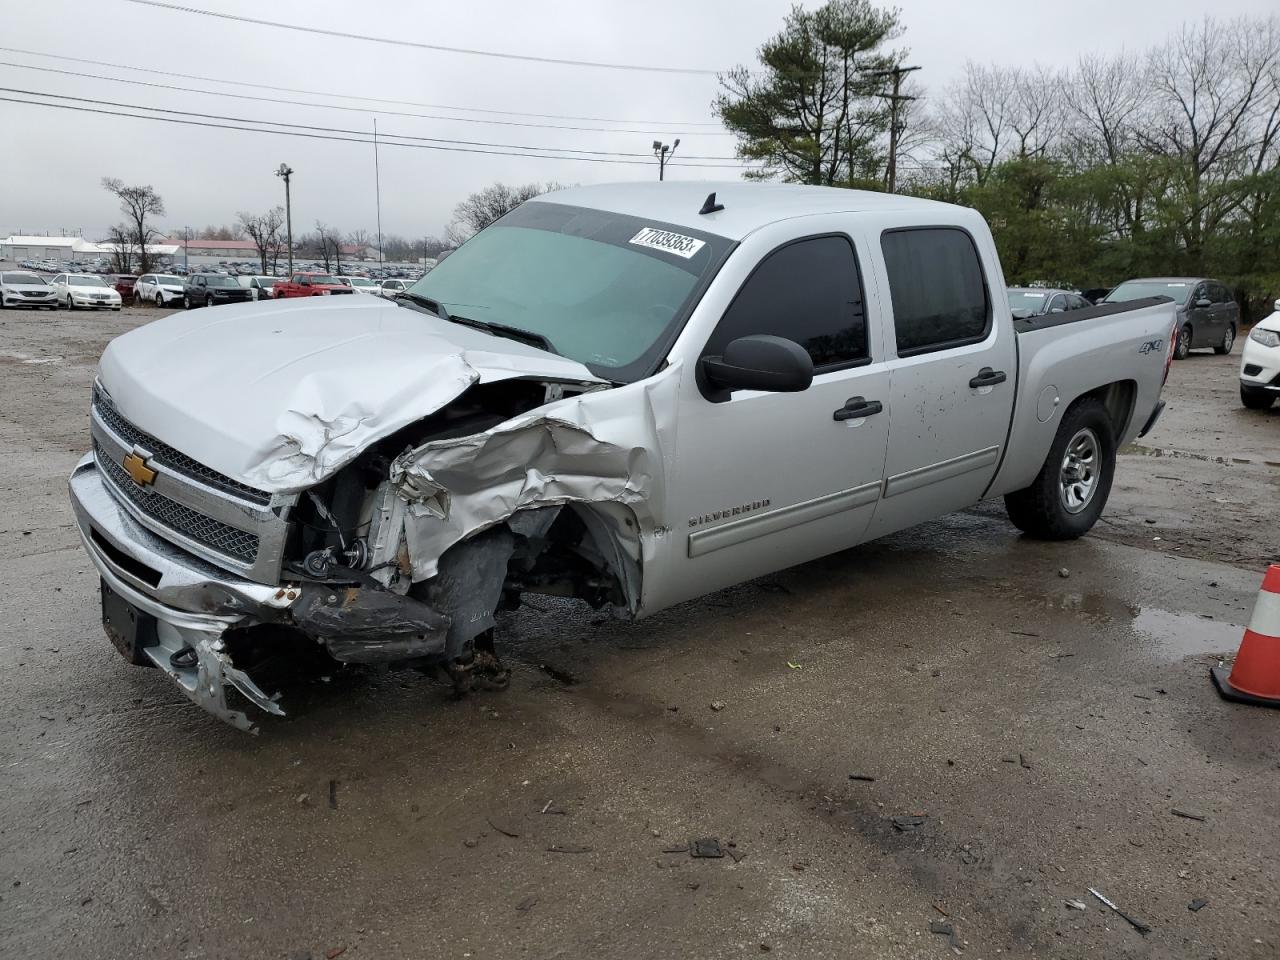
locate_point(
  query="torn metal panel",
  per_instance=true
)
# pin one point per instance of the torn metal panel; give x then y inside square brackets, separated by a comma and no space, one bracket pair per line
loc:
[363,614]
[282,395]
[592,449]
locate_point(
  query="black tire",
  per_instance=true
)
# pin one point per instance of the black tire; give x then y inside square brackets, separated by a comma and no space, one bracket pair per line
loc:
[1228,340]
[160,301]
[1042,510]
[1256,399]
[208,301]
[1183,346]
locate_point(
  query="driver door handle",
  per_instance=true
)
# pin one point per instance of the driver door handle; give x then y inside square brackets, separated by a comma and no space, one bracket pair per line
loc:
[857,407]
[987,378]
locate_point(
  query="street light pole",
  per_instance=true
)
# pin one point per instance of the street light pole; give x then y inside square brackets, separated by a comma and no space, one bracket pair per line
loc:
[662,151]
[284,173]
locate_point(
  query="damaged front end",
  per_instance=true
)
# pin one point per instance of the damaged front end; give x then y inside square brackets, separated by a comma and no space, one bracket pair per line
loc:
[406,552]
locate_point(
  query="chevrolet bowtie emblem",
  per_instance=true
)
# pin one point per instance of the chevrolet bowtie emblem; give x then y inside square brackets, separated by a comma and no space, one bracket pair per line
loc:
[137,468]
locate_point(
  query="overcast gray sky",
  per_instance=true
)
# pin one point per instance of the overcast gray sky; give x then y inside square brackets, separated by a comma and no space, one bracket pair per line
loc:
[50,171]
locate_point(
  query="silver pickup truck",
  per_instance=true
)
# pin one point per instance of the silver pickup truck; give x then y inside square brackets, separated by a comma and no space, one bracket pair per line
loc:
[630,394]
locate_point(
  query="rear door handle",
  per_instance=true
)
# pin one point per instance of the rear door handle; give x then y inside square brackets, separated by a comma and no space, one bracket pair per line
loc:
[857,407]
[988,378]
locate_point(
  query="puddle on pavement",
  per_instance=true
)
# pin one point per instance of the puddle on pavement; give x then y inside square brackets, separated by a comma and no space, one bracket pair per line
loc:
[1178,635]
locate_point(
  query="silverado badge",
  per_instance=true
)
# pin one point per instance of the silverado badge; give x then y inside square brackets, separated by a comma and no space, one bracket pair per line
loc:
[137,468]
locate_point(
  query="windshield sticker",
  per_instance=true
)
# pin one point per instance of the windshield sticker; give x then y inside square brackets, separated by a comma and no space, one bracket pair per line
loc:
[668,242]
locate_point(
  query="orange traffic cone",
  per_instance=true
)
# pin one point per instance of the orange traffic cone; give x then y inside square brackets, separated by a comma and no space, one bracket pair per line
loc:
[1255,678]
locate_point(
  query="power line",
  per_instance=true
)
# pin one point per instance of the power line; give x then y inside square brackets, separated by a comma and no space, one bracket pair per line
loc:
[274,129]
[350,96]
[341,130]
[344,35]
[324,106]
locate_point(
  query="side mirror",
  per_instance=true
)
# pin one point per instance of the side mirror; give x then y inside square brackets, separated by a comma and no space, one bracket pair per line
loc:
[1204,302]
[760,362]
[1276,305]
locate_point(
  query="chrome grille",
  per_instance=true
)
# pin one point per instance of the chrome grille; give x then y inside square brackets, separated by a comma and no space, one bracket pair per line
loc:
[214,534]
[165,455]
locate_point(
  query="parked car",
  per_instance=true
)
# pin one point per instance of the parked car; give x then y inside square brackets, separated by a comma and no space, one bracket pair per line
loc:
[309,285]
[1208,316]
[391,288]
[1260,363]
[260,288]
[162,289]
[26,290]
[359,284]
[1037,301]
[124,283]
[388,474]
[212,289]
[88,290]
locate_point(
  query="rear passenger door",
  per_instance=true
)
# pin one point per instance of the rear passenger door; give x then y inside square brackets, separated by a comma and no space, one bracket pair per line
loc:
[952,381]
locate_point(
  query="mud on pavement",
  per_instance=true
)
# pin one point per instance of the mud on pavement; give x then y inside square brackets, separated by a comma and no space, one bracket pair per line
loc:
[937,728]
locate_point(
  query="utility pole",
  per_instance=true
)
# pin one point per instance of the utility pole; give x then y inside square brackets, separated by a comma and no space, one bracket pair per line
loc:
[284,173]
[377,189]
[662,151]
[186,249]
[895,127]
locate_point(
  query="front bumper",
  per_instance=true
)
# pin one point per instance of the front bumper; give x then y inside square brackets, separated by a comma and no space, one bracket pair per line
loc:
[1260,366]
[194,603]
[113,303]
[17,300]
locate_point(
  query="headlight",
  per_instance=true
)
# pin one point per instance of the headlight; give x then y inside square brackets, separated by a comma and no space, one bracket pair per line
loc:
[1268,338]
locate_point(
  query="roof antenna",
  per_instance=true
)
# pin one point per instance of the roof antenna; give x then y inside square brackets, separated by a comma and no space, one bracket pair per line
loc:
[709,205]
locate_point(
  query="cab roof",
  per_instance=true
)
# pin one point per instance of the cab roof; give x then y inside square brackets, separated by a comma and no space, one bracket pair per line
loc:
[747,206]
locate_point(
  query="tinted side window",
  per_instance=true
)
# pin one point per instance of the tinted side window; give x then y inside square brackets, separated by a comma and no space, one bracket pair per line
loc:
[938,291]
[810,292]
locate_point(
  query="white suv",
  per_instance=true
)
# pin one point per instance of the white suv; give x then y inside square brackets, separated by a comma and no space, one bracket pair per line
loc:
[162,289]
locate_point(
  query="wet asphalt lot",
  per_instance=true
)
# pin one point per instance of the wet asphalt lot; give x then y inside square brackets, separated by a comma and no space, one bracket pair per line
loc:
[1042,728]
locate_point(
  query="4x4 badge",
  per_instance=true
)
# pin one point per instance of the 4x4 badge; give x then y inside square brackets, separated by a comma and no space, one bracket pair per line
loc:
[137,468]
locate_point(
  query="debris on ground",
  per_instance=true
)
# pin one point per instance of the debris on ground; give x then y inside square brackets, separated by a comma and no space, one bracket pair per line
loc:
[718,705]
[334,953]
[1134,922]
[947,929]
[1022,762]
[304,799]
[501,830]
[682,848]
[862,777]
[1076,904]
[795,666]
[1063,572]
[525,905]
[1187,815]
[907,824]
[333,794]
[1196,905]
[561,848]
[708,847]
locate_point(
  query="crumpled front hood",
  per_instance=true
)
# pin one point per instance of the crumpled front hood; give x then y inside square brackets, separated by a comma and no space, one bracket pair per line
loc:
[281,394]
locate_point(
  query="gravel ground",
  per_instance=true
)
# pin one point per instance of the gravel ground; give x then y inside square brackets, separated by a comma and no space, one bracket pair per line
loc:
[1042,728]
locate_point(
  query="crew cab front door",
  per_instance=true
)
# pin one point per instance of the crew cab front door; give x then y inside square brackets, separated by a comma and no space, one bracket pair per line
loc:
[760,480]
[953,380]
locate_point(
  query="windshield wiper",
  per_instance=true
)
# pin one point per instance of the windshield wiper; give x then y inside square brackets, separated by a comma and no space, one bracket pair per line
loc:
[506,330]
[435,306]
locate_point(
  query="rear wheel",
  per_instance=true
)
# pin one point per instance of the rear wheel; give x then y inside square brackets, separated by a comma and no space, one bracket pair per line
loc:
[1183,346]
[1068,494]
[186,302]
[160,300]
[1256,399]
[1228,340]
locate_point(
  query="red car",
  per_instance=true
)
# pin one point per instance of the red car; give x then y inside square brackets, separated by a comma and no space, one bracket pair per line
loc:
[124,286]
[310,285]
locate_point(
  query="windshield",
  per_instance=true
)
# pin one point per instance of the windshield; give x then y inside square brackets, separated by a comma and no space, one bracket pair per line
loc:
[1137,289]
[1030,301]
[79,280]
[28,278]
[607,290]
[168,279]
[218,280]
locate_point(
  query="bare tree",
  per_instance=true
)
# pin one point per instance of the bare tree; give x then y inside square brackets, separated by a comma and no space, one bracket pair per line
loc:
[326,241]
[485,206]
[121,249]
[264,231]
[359,239]
[139,204]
